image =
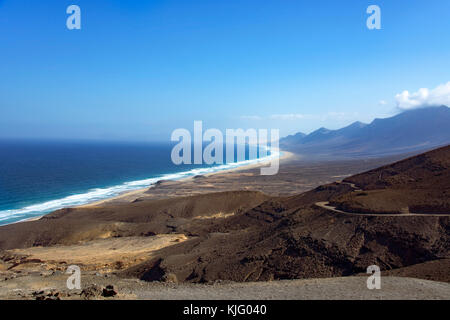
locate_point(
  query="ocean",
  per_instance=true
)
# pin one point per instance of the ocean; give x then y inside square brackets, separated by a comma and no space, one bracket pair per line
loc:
[37,177]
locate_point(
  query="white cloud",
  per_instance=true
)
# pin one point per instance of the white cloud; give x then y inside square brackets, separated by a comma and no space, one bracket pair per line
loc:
[251,117]
[288,116]
[424,97]
[337,116]
[321,117]
[382,102]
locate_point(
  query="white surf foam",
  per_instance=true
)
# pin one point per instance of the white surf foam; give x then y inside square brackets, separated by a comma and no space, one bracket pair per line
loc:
[104,193]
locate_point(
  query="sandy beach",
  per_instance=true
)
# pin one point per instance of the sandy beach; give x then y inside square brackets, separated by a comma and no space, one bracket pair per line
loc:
[129,196]
[135,194]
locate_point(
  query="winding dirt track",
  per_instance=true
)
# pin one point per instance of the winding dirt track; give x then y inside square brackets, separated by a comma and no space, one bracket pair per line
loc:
[325,205]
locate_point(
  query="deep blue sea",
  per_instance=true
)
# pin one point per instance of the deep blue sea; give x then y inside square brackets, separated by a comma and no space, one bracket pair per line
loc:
[37,177]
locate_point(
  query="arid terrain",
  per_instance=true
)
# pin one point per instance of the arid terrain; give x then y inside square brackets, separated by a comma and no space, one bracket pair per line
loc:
[221,230]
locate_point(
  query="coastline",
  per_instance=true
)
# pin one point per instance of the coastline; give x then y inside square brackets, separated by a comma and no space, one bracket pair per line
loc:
[205,236]
[129,196]
[138,192]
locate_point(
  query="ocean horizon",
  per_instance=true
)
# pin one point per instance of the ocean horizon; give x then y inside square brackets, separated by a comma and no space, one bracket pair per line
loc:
[38,177]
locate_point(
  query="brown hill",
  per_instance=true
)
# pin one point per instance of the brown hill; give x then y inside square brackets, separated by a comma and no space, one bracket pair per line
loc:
[291,237]
[418,184]
[74,225]
[248,236]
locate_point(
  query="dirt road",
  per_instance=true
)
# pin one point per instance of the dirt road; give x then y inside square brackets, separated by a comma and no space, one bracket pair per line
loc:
[325,205]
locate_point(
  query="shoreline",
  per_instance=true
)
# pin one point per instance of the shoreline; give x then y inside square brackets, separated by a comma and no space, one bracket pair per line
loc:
[191,235]
[284,155]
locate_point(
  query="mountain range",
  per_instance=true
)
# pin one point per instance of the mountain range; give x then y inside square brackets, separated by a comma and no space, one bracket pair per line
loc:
[407,132]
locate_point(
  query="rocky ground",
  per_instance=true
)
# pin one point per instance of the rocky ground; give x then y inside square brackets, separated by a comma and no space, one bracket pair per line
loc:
[232,238]
[96,286]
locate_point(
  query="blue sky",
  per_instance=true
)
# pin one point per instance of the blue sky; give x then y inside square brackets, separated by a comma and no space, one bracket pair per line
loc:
[138,70]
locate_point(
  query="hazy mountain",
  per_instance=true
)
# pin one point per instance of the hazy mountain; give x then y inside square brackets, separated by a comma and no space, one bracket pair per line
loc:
[409,131]
[294,138]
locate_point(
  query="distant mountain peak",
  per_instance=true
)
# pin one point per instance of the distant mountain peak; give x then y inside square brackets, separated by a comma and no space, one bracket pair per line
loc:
[427,109]
[358,124]
[409,131]
[322,130]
